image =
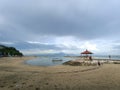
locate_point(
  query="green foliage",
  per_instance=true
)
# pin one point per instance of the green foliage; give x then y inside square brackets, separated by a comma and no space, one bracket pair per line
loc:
[9,51]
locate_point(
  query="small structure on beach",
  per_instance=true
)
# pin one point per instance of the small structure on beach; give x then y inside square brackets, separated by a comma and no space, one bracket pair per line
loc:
[87,54]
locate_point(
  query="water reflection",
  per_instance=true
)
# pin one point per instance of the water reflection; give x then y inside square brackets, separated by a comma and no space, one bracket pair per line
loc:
[47,61]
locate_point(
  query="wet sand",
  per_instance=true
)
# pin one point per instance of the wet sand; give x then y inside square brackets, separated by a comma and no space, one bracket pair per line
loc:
[15,75]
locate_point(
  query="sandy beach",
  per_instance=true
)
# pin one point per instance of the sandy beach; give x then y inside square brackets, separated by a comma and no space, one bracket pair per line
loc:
[15,75]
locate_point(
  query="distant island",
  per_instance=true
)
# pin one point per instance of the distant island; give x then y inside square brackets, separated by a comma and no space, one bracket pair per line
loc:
[6,51]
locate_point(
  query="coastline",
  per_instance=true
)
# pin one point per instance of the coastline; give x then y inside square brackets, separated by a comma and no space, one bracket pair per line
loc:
[16,75]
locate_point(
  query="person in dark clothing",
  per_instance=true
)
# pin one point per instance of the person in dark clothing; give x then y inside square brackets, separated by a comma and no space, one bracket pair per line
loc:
[109,57]
[90,58]
[99,63]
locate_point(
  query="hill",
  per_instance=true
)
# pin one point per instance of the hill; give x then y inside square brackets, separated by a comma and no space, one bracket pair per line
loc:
[9,51]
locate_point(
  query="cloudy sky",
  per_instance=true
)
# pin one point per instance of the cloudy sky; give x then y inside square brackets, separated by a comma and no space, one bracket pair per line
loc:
[61,26]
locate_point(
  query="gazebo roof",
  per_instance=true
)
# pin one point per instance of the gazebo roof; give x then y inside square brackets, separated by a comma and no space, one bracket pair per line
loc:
[86,52]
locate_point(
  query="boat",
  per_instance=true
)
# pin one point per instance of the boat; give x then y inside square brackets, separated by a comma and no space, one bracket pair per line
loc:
[56,59]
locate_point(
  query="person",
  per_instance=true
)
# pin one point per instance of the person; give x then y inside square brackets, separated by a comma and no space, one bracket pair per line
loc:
[109,57]
[90,58]
[99,63]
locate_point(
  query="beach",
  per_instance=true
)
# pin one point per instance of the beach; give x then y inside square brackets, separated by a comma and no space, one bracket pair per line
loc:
[16,75]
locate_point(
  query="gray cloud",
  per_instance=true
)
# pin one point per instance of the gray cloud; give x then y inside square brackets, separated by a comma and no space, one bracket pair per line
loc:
[32,47]
[25,45]
[86,19]
[26,20]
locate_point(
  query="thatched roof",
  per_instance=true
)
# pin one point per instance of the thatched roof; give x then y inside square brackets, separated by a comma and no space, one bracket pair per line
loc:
[86,52]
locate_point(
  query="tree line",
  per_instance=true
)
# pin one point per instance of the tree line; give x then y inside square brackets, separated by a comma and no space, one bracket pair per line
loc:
[9,51]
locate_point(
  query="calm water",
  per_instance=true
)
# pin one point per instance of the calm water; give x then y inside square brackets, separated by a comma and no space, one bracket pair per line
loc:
[113,57]
[48,61]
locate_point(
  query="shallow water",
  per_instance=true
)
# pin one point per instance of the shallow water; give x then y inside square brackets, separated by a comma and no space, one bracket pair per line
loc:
[48,61]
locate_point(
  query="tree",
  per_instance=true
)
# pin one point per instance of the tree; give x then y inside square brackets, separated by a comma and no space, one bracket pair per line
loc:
[9,51]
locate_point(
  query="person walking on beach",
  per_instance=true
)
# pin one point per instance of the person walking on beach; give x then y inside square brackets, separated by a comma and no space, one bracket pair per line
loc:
[99,63]
[109,57]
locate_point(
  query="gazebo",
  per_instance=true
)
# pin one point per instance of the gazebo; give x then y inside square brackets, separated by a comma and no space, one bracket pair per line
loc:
[87,54]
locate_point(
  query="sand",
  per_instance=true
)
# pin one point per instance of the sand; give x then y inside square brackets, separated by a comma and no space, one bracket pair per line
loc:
[15,75]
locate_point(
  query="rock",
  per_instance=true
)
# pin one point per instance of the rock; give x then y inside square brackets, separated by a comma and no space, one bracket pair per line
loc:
[73,63]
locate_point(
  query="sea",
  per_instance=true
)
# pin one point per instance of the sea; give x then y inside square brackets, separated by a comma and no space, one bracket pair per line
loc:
[58,60]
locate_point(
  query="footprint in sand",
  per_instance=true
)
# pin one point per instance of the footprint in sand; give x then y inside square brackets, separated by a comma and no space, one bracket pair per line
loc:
[37,88]
[30,85]
[2,86]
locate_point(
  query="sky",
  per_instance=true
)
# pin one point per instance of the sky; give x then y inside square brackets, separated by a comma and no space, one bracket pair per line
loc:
[61,26]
